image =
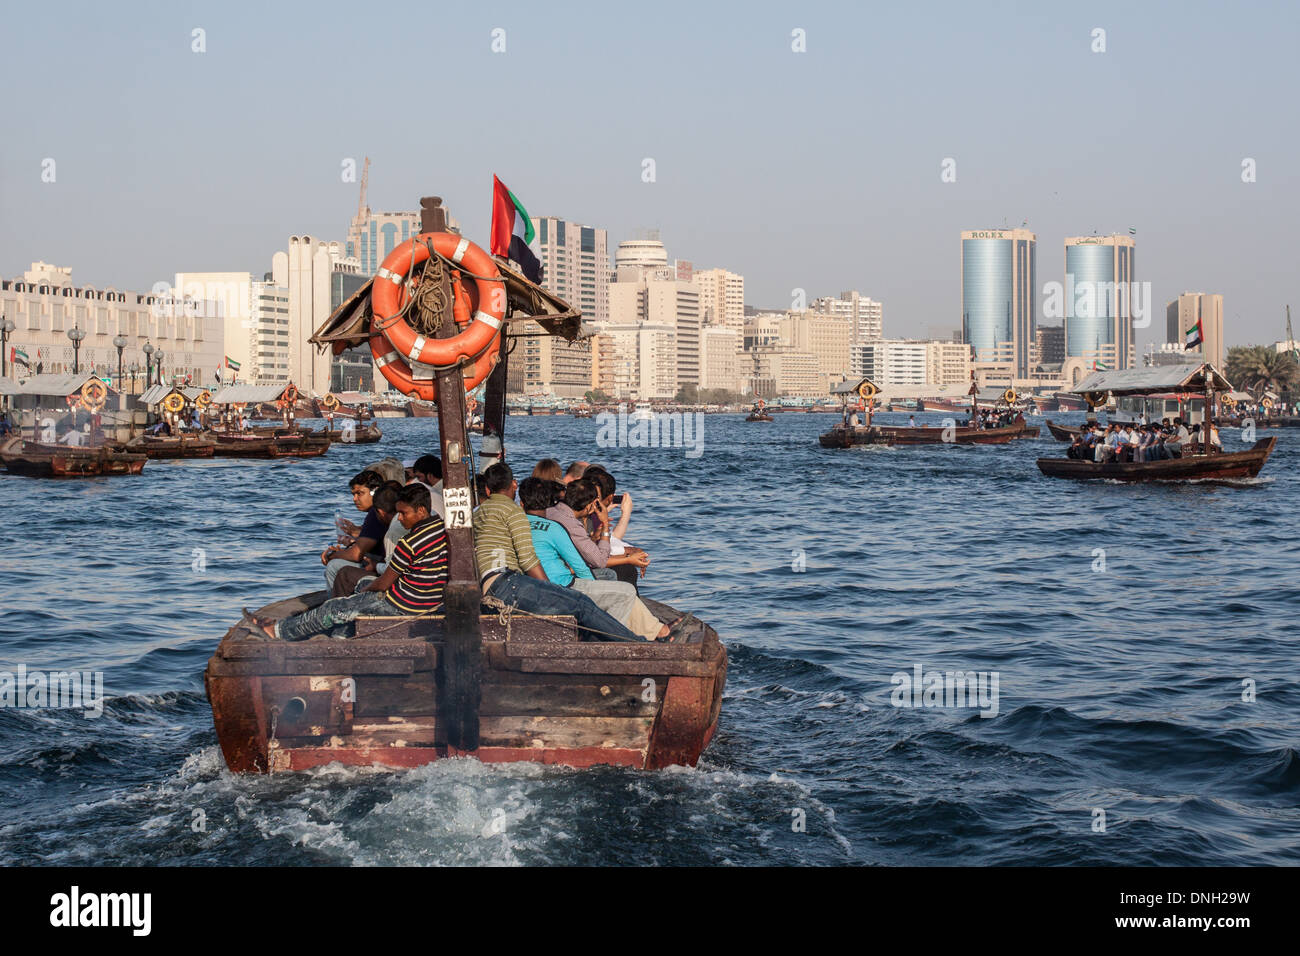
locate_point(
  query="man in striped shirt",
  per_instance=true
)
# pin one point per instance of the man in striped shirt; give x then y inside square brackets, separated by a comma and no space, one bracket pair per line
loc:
[510,570]
[413,583]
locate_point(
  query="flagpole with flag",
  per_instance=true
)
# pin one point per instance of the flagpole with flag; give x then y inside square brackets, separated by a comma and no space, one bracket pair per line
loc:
[1194,335]
[512,231]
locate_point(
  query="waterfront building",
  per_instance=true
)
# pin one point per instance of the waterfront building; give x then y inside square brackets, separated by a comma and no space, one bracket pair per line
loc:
[775,370]
[998,295]
[307,269]
[722,299]
[648,292]
[827,337]
[269,331]
[1050,344]
[719,364]
[575,265]
[866,315]
[1183,313]
[44,306]
[543,364]
[1099,281]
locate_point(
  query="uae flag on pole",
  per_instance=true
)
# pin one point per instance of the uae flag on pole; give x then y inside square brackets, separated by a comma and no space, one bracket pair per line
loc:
[18,355]
[512,231]
[1194,337]
[232,364]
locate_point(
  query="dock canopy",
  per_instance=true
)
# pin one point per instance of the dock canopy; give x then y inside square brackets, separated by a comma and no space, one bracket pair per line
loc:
[851,387]
[248,394]
[154,394]
[349,326]
[51,385]
[1153,381]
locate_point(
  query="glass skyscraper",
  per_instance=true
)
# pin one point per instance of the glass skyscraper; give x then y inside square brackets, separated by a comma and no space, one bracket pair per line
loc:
[999,272]
[1099,300]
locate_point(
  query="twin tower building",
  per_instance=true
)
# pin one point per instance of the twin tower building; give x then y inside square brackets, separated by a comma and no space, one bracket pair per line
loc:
[1089,317]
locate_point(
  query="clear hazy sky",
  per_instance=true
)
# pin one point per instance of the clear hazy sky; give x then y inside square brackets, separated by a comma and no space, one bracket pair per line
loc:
[817,170]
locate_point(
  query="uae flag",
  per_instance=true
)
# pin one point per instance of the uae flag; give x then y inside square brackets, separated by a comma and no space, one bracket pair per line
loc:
[232,364]
[1194,337]
[512,231]
[18,355]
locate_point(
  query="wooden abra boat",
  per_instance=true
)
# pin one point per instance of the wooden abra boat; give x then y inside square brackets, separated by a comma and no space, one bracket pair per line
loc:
[179,446]
[1203,378]
[361,435]
[500,686]
[54,461]
[294,445]
[1233,464]
[381,698]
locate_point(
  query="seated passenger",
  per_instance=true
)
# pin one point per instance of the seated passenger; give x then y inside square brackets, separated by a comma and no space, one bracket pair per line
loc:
[566,567]
[626,560]
[413,582]
[349,579]
[574,471]
[549,469]
[510,570]
[368,537]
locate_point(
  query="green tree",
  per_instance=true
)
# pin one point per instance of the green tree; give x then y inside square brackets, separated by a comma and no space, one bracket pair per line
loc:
[1260,368]
[596,396]
[688,394]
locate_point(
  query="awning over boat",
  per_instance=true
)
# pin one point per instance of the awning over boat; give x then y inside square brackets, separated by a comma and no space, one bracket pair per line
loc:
[851,386]
[1240,397]
[247,394]
[1150,381]
[154,394]
[349,325]
[61,385]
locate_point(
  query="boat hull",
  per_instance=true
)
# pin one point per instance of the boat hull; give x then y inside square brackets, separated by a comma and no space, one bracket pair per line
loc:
[545,697]
[842,436]
[1238,464]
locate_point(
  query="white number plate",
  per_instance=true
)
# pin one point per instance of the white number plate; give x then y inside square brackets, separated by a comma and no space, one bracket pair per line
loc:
[455,502]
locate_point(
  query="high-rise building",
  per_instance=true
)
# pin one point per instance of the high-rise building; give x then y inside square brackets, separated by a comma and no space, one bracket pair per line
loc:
[542,364]
[770,371]
[866,315]
[722,298]
[946,363]
[374,235]
[1182,314]
[1051,344]
[1099,299]
[719,351]
[307,271]
[575,265]
[827,337]
[646,290]
[269,331]
[635,257]
[998,282]
[892,361]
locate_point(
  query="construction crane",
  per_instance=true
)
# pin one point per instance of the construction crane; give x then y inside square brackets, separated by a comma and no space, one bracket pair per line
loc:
[362,209]
[1290,337]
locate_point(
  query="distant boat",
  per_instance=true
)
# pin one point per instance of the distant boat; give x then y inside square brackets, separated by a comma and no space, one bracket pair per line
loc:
[642,413]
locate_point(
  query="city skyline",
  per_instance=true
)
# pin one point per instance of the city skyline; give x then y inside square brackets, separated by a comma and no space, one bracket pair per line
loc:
[194,176]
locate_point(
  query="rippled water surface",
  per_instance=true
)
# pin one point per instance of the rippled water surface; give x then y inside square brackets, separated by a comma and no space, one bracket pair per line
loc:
[1120,675]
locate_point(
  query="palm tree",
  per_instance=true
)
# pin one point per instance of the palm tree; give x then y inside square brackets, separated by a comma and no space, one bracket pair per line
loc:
[1260,368]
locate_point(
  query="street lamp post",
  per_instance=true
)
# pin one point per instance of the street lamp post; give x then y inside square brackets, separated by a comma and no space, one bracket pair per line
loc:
[6,327]
[120,342]
[158,357]
[148,364]
[76,333]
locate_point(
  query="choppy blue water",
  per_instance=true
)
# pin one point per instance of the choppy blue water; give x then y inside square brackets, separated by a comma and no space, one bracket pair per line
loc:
[826,573]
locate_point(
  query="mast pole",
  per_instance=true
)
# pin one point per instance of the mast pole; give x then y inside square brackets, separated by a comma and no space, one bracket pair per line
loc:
[463,641]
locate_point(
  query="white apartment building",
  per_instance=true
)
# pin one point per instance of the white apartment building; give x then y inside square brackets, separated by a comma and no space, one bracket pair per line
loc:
[891,362]
[772,371]
[649,296]
[866,315]
[719,358]
[269,330]
[642,365]
[575,265]
[722,298]
[44,306]
[306,270]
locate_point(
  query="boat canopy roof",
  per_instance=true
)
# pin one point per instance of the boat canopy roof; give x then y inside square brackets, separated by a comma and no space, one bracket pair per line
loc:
[156,393]
[61,385]
[1152,381]
[349,325]
[248,394]
[851,386]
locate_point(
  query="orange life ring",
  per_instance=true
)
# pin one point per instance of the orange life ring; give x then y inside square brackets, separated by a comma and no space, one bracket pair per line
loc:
[395,369]
[290,395]
[390,288]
